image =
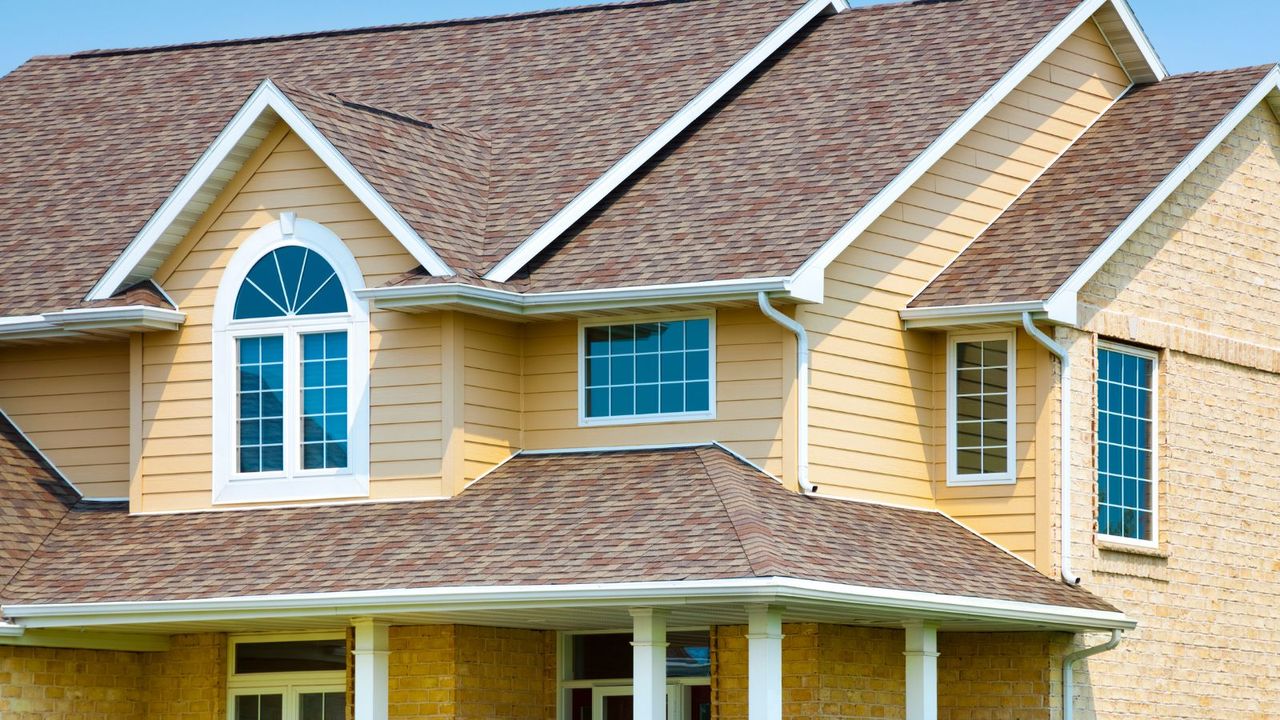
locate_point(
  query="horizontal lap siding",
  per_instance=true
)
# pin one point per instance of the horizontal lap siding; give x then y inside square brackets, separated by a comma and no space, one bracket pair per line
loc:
[492,385]
[73,402]
[877,390]
[749,389]
[405,427]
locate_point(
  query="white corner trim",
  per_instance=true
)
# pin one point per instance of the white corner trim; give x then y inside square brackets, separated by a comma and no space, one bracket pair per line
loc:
[267,97]
[912,604]
[817,263]
[658,139]
[1061,306]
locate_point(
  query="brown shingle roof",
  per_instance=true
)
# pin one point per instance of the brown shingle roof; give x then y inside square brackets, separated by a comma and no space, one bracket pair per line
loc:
[1048,232]
[91,144]
[33,499]
[675,514]
[778,168]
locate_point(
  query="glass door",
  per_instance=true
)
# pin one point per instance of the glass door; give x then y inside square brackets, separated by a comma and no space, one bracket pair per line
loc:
[258,706]
[289,703]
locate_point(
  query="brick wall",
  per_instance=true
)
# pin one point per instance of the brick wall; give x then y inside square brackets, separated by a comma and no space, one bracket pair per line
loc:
[189,681]
[55,684]
[462,671]
[999,676]
[1200,280]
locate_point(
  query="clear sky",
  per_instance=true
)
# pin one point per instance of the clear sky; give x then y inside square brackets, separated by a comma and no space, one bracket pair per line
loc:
[1189,34]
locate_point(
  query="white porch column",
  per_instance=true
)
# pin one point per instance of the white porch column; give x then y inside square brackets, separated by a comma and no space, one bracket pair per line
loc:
[922,671]
[371,678]
[764,662]
[649,658]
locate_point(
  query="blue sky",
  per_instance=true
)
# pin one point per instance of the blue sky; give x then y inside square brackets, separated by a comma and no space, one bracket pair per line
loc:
[1190,34]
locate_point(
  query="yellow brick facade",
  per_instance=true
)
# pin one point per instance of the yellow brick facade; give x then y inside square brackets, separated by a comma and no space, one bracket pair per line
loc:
[186,682]
[1199,281]
[476,673]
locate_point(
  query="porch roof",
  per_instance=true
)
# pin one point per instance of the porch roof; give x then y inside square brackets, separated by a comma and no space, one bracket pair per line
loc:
[552,521]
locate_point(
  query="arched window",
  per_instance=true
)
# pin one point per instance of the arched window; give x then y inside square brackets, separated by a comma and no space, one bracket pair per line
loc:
[291,368]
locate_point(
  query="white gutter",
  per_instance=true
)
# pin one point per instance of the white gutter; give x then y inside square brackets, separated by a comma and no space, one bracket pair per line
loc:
[531,597]
[802,389]
[1068,670]
[69,322]
[1064,453]
[406,297]
[10,630]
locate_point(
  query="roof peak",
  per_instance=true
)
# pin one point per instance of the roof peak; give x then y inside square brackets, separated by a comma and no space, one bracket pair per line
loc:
[369,29]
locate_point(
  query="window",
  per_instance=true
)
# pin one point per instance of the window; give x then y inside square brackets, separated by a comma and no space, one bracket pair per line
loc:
[1126,443]
[290,371]
[596,673]
[980,409]
[643,371]
[275,677]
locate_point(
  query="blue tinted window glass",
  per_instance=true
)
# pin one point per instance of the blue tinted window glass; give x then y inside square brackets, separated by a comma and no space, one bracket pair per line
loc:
[1125,439]
[260,403]
[289,281]
[647,368]
[324,402]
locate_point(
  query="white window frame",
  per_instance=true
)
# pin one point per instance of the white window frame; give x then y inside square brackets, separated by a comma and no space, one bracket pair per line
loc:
[1154,357]
[293,483]
[710,414]
[289,684]
[1009,476]
[677,687]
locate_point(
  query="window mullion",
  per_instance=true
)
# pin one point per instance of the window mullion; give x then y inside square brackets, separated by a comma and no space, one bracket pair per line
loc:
[292,402]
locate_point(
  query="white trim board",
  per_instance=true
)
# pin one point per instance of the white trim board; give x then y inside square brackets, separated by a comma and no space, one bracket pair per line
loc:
[650,146]
[70,323]
[814,267]
[787,591]
[197,190]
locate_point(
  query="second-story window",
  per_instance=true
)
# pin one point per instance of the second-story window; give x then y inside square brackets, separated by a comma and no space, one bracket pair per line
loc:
[646,371]
[291,369]
[980,409]
[1126,443]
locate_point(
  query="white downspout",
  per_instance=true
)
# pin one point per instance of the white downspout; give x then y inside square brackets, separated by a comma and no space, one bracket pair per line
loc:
[802,389]
[1068,670]
[1064,454]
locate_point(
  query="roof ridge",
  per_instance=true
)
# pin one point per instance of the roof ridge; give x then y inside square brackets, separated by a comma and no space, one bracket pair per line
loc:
[368,29]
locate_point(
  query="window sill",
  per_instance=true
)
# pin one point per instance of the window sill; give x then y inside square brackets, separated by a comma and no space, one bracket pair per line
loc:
[295,489]
[1153,551]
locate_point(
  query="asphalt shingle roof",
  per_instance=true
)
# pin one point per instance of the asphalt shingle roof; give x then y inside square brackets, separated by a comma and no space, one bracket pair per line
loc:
[695,513]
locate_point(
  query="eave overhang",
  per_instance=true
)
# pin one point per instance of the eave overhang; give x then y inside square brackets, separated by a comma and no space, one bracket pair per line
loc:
[562,606]
[91,322]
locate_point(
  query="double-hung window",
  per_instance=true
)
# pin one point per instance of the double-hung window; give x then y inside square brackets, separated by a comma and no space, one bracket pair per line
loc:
[646,371]
[1126,443]
[980,409]
[291,363]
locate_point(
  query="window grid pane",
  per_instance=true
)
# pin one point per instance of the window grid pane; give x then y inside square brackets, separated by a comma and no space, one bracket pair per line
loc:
[260,399]
[324,400]
[647,369]
[1125,445]
[982,377]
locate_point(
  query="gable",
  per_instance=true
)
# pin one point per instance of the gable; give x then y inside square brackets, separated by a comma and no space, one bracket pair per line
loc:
[1206,263]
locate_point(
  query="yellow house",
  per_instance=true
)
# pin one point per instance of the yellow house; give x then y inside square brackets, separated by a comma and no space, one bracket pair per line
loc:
[652,360]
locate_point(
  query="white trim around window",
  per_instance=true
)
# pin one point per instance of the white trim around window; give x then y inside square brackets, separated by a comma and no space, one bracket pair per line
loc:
[1001,476]
[1154,540]
[638,419]
[292,483]
[289,686]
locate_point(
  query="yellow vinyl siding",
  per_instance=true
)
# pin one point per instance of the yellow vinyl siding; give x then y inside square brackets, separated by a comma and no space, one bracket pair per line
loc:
[73,402]
[749,393]
[878,392]
[492,385]
[405,365]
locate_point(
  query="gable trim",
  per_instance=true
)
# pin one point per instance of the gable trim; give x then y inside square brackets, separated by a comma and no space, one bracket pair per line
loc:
[811,273]
[1061,305]
[584,201]
[131,265]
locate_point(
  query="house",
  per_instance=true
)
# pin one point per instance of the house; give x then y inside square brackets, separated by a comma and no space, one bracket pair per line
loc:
[664,359]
